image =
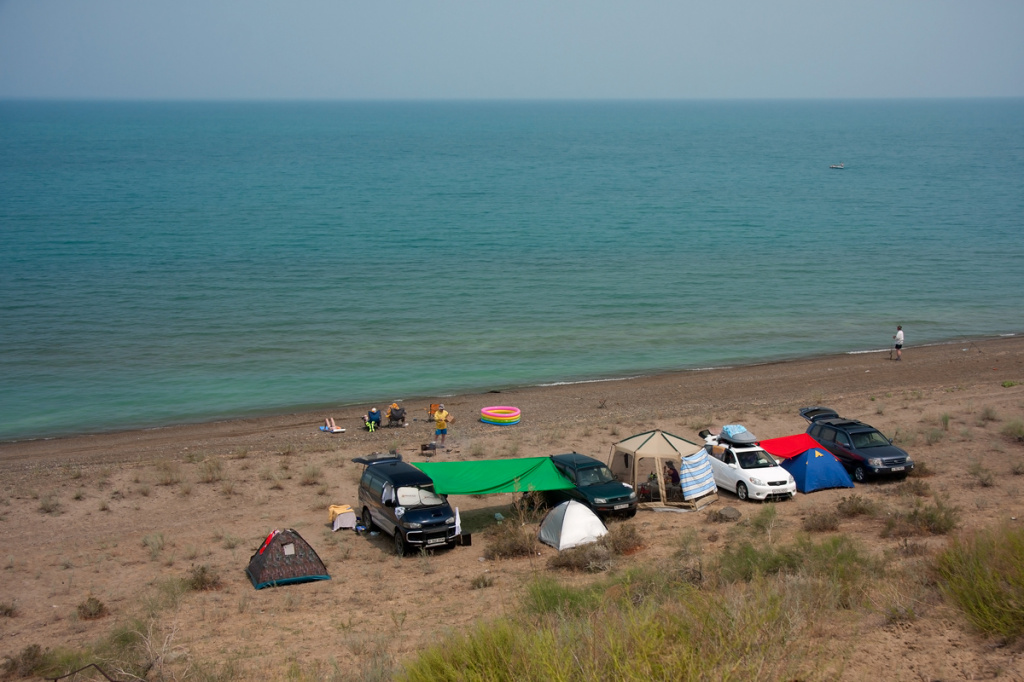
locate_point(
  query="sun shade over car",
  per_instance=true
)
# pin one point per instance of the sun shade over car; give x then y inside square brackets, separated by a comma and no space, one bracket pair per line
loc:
[494,476]
[417,497]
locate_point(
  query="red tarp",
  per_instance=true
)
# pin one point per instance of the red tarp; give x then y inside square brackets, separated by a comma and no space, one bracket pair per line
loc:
[788,447]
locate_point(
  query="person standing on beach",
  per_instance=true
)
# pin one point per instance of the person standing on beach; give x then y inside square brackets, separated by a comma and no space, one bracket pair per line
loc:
[898,338]
[441,420]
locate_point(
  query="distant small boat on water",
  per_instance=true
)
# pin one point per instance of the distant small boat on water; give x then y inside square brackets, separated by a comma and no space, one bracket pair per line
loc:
[837,166]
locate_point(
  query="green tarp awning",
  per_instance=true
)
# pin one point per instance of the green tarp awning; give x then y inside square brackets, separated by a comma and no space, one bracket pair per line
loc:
[494,476]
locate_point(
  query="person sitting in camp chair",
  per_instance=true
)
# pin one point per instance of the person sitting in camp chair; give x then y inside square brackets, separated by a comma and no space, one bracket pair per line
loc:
[371,420]
[673,490]
[396,415]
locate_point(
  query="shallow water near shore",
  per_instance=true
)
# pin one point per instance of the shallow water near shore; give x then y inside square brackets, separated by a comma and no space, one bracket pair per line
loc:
[166,263]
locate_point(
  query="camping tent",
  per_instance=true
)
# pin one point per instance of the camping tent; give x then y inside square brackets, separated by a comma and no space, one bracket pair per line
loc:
[640,460]
[283,558]
[483,477]
[812,466]
[571,524]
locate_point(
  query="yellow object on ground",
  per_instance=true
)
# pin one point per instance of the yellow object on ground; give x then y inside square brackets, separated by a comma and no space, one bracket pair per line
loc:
[336,509]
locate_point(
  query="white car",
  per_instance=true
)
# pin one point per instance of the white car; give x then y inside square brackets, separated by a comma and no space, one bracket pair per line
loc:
[747,470]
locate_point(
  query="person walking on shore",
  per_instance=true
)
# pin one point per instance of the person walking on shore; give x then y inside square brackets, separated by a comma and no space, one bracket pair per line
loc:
[898,338]
[441,420]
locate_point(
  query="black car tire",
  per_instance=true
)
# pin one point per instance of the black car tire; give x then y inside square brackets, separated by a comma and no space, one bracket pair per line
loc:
[400,546]
[368,520]
[860,475]
[741,491]
[631,514]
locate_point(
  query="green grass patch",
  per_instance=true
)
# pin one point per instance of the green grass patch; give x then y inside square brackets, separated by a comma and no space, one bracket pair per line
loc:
[983,574]
[931,519]
[607,632]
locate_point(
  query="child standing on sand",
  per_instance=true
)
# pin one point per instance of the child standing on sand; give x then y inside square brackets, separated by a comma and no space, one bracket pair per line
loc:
[441,420]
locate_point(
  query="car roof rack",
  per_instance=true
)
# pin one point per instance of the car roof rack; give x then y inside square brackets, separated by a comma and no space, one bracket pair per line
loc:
[378,458]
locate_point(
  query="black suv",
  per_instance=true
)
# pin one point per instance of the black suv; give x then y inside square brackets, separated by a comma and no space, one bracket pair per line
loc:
[596,487]
[861,448]
[399,499]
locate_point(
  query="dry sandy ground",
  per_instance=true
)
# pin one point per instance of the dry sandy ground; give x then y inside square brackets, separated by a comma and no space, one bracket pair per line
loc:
[86,516]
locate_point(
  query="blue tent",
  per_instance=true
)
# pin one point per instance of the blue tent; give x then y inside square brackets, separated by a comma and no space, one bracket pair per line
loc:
[812,466]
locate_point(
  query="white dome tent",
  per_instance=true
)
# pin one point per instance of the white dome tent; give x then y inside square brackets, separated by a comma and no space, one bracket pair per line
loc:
[569,525]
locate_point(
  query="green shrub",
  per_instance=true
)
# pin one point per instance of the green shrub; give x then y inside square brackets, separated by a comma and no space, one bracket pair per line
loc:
[1009,384]
[91,609]
[168,473]
[49,504]
[983,574]
[820,522]
[855,505]
[982,475]
[202,578]
[30,661]
[622,538]
[311,475]
[764,520]
[211,471]
[1014,430]
[921,470]
[155,544]
[593,557]
[480,582]
[933,519]
[510,539]
[988,414]
[915,487]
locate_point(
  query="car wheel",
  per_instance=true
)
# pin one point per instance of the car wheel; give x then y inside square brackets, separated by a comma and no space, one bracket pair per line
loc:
[368,520]
[860,475]
[741,491]
[400,545]
[631,514]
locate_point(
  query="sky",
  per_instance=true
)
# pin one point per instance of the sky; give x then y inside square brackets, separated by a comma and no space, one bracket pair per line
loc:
[510,49]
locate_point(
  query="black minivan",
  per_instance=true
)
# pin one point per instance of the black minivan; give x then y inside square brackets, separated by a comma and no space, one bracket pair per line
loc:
[399,499]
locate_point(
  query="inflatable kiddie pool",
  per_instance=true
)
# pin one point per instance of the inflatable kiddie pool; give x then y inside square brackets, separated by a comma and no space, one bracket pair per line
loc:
[500,415]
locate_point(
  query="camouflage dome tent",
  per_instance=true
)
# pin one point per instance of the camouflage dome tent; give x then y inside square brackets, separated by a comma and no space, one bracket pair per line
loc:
[283,558]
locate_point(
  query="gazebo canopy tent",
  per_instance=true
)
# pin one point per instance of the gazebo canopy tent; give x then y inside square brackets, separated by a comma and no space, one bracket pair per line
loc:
[640,461]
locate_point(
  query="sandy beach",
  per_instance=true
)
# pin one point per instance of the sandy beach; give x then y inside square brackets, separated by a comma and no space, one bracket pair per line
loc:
[113,515]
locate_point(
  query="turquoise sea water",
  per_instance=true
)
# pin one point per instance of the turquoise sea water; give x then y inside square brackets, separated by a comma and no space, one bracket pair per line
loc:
[173,262]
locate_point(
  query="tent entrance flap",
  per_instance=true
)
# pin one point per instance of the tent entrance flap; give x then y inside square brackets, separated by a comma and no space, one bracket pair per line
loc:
[494,476]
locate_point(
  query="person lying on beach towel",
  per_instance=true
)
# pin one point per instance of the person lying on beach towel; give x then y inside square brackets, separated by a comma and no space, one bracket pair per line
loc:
[330,427]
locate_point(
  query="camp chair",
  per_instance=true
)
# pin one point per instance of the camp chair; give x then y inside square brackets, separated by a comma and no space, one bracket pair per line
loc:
[396,416]
[434,407]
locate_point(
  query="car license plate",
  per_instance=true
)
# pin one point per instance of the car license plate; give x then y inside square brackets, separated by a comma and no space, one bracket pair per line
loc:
[897,469]
[620,506]
[436,541]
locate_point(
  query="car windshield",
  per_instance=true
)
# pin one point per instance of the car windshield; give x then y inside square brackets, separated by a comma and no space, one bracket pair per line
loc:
[418,497]
[869,439]
[594,476]
[757,459]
